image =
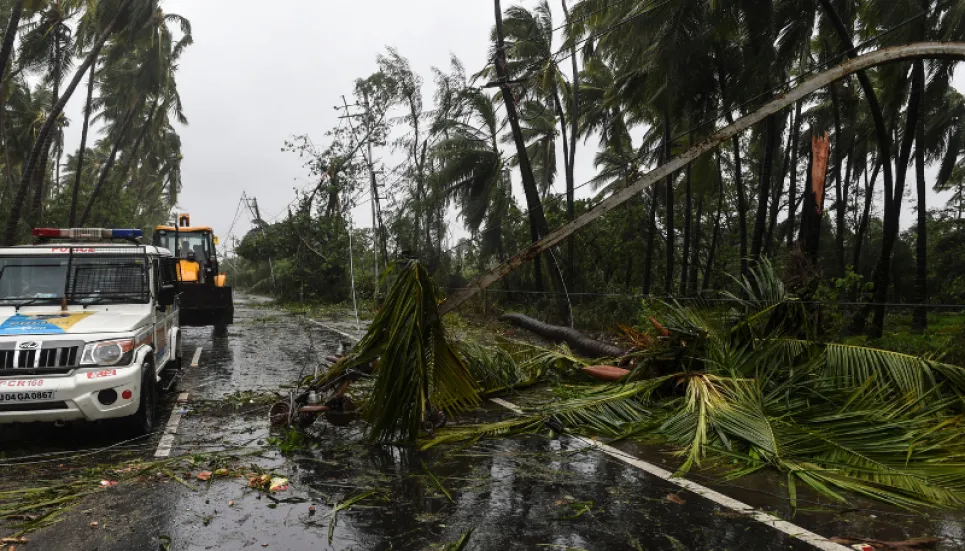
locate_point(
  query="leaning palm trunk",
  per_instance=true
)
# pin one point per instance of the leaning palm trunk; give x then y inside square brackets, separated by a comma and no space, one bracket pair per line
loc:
[43,138]
[920,50]
[416,369]
[109,165]
[920,316]
[9,36]
[79,171]
[136,148]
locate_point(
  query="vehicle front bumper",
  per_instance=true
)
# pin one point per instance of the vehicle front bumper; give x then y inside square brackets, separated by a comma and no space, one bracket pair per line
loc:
[75,395]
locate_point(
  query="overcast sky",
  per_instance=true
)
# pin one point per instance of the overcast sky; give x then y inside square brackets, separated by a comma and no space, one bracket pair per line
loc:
[260,72]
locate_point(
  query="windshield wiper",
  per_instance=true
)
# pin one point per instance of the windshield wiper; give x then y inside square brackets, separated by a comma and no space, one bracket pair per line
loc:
[32,301]
[91,301]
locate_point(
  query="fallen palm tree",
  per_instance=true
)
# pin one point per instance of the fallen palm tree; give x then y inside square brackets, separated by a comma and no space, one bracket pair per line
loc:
[577,340]
[755,387]
[418,378]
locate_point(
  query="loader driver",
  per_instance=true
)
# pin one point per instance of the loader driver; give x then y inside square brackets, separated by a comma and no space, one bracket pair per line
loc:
[190,268]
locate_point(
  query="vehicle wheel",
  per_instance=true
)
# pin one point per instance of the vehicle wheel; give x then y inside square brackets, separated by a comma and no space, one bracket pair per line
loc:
[144,420]
[177,362]
[172,374]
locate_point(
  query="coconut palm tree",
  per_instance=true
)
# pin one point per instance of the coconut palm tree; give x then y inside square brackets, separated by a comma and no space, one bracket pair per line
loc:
[150,64]
[469,164]
[113,17]
[47,47]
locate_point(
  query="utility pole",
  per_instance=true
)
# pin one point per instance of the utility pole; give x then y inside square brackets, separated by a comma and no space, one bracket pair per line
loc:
[378,242]
[252,204]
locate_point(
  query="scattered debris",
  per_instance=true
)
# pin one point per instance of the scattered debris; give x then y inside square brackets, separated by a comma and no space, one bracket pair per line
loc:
[607,373]
[204,476]
[278,484]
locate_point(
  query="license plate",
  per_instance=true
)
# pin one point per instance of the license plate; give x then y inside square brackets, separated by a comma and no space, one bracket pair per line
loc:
[27,396]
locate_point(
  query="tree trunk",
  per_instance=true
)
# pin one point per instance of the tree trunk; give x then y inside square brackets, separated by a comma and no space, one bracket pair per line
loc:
[668,153]
[882,270]
[776,195]
[571,161]
[9,36]
[579,342]
[39,183]
[59,145]
[78,176]
[920,317]
[882,280]
[132,157]
[708,269]
[792,190]
[869,193]
[924,50]
[738,179]
[685,253]
[764,189]
[651,240]
[43,138]
[838,184]
[106,170]
[538,225]
[695,248]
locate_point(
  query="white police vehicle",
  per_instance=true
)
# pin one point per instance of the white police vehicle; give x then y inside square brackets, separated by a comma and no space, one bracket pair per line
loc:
[88,321]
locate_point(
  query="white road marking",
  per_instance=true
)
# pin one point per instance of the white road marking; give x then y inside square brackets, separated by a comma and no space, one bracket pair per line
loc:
[197,357]
[167,439]
[792,530]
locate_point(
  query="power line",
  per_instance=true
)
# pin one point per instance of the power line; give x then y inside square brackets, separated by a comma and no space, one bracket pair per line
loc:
[711,300]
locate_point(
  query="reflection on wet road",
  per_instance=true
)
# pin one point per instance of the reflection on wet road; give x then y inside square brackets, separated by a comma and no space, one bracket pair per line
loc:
[521,493]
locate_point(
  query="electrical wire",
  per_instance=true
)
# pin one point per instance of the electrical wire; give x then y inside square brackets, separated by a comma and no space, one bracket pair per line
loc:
[709,300]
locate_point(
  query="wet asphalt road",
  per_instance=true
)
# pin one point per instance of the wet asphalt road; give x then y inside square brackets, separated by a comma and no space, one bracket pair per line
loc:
[521,493]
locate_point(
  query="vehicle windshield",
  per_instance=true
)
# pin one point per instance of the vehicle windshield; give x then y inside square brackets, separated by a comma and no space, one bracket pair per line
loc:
[188,242]
[93,279]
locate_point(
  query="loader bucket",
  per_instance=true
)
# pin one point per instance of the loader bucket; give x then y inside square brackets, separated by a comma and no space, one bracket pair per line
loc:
[203,305]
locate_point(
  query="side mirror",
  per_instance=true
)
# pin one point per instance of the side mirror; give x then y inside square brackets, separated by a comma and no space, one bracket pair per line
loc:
[166,294]
[216,240]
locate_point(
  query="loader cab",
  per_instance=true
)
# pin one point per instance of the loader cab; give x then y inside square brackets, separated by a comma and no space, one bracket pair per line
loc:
[205,297]
[194,246]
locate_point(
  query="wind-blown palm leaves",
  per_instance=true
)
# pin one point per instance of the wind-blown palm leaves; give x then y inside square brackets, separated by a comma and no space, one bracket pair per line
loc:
[751,384]
[417,369]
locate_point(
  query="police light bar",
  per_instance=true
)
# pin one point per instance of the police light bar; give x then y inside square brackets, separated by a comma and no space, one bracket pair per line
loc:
[88,234]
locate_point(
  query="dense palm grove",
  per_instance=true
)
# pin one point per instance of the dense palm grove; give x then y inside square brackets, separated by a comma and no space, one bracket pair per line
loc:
[651,79]
[119,58]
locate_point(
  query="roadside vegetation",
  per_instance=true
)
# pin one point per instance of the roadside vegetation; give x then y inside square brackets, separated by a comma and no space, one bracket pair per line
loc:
[745,385]
[638,83]
[779,313]
[119,59]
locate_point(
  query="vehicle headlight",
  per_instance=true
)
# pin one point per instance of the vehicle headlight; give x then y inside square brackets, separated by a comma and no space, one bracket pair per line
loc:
[115,352]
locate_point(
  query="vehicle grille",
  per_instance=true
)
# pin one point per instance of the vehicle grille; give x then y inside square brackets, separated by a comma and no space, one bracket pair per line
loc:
[63,357]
